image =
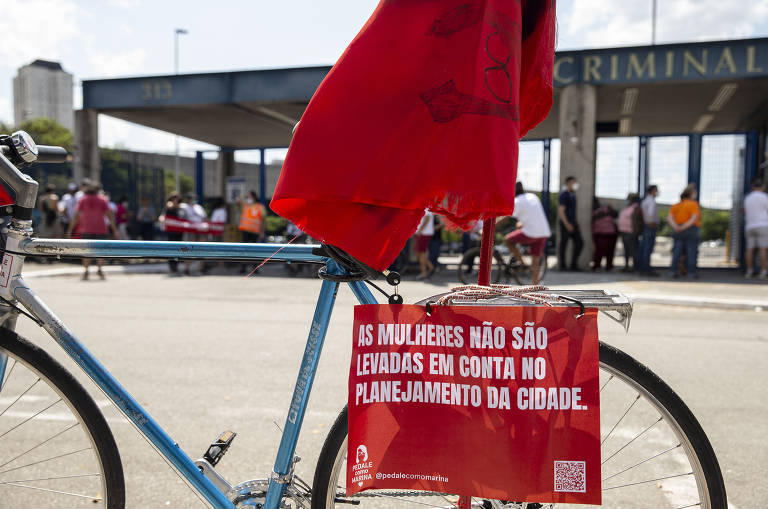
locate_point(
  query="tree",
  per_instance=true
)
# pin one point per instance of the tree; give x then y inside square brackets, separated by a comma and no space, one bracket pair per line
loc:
[5,128]
[46,131]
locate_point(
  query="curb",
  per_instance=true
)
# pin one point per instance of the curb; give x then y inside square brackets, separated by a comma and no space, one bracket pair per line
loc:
[636,298]
[699,302]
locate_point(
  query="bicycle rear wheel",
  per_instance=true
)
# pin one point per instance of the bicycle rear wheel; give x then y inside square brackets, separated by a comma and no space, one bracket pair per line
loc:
[523,273]
[470,264]
[654,452]
[56,450]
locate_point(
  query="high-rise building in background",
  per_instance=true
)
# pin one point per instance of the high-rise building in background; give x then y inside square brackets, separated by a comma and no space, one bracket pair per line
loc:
[43,89]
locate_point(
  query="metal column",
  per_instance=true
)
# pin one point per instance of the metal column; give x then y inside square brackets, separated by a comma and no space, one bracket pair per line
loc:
[642,166]
[694,160]
[262,177]
[199,175]
[545,176]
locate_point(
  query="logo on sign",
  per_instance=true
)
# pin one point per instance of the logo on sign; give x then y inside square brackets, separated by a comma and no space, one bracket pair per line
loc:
[361,471]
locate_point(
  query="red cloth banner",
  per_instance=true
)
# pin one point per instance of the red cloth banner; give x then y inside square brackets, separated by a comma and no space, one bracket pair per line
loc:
[488,401]
[174,225]
[423,110]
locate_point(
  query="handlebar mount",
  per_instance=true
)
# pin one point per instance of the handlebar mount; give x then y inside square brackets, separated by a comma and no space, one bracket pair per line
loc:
[17,150]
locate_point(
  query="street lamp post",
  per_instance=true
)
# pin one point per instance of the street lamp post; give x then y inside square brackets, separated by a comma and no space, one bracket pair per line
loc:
[176,162]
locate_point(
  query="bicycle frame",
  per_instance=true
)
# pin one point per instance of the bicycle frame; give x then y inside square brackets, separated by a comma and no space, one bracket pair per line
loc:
[14,288]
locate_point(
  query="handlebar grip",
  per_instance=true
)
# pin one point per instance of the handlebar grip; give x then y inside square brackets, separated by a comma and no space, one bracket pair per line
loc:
[50,154]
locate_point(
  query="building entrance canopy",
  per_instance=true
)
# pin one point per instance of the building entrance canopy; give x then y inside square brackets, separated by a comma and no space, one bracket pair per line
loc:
[676,88]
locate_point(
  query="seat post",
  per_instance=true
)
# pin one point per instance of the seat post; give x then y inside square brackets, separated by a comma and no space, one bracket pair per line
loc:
[486,251]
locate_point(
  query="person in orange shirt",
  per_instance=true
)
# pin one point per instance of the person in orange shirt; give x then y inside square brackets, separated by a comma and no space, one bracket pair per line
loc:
[685,219]
[252,219]
[253,224]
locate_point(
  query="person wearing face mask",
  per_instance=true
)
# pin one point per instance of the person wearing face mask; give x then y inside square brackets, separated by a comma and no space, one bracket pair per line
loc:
[685,219]
[252,219]
[569,228]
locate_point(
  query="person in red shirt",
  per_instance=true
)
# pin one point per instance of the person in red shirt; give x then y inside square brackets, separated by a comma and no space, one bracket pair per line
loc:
[91,216]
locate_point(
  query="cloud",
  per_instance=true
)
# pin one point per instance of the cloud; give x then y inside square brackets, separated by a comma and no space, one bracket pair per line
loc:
[125,4]
[105,63]
[596,23]
[39,29]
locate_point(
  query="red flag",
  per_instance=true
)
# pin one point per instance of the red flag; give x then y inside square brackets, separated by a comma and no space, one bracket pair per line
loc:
[423,110]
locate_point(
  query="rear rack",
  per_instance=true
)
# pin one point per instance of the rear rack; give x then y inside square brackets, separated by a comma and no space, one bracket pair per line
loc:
[614,305]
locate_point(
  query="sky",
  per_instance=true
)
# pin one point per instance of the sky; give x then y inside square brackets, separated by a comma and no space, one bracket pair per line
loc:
[117,38]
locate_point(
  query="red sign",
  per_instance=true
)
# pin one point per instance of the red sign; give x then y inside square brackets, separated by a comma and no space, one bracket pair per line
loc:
[488,401]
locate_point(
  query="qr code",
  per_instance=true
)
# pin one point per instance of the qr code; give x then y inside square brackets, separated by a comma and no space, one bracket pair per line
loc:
[571,476]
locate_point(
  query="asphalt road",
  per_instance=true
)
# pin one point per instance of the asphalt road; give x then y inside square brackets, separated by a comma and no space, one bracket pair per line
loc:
[205,354]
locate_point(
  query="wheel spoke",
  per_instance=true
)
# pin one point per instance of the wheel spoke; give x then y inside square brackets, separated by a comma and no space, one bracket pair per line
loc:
[30,417]
[620,419]
[633,439]
[647,481]
[19,397]
[45,460]
[606,383]
[38,445]
[641,462]
[50,478]
[95,498]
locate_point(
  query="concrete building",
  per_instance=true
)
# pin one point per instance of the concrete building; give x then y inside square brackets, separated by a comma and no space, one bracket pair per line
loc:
[43,89]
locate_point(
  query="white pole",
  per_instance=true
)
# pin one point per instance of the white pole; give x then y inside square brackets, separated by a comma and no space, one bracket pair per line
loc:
[176,161]
[653,23]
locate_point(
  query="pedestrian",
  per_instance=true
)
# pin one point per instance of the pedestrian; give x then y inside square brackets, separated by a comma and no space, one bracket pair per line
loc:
[685,219]
[436,243]
[173,210]
[569,227]
[532,229]
[630,226]
[604,234]
[122,217]
[650,224]
[756,228]
[253,224]
[422,236]
[145,219]
[48,206]
[93,220]
[67,206]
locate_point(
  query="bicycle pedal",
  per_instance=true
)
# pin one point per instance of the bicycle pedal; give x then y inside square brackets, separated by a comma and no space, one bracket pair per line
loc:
[219,448]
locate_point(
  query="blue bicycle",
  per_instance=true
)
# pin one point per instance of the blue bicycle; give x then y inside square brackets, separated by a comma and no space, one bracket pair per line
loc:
[57,450]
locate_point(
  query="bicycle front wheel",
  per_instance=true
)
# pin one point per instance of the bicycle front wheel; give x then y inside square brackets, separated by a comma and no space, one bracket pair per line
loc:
[56,450]
[654,452]
[469,266]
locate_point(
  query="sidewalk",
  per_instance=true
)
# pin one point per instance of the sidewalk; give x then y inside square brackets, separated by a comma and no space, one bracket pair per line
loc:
[717,288]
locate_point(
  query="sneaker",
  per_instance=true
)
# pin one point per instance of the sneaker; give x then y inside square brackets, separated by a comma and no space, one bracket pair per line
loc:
[748,275]
[763,275]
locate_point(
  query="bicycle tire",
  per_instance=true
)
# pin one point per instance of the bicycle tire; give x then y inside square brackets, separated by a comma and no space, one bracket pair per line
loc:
[614,364]
[470,264]
[523,276]
[50,437]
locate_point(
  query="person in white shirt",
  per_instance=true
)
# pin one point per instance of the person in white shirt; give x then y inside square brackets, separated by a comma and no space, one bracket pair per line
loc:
[651,222]
[423,235]
[756,228]
[532,229]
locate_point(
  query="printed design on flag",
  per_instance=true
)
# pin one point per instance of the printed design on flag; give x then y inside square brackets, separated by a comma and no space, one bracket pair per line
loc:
[457,19]
[500,46]
[571,476]
[361,470]
[445,103]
